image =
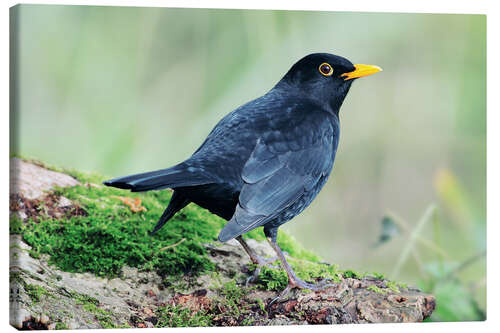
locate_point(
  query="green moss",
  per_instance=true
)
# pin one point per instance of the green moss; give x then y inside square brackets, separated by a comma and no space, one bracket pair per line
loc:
[232,294]
[261,304]
[352,274]
[392,286]
[272,279]
[61,326]
[36,292]
[176,285]
[91,304]
[82,299]
[16,225]
[15,276]
[249,321]
[118,237]
[232,305]
[376,289]
[276,279]
[378,275]
[102,316]
[310,271]
[34,254]
[178,316]
[402,285]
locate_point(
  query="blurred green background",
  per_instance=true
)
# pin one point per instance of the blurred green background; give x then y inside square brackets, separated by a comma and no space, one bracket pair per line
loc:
[121,90]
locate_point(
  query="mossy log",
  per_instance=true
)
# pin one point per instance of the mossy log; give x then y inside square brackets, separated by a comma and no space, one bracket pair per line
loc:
[81,257]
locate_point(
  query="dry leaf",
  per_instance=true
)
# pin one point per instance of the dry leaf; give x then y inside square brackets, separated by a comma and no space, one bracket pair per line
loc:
[133,203]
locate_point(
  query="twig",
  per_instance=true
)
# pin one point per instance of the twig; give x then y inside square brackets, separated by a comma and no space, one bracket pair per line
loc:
[400,222]
[418,260]
[172,245]
[466,263]
[413,237]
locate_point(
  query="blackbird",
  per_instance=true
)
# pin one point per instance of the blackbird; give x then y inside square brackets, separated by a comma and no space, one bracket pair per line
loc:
[266,161]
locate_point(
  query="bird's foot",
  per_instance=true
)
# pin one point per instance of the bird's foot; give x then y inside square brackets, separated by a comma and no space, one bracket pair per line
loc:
[298,283]
[295,282]
[260,262]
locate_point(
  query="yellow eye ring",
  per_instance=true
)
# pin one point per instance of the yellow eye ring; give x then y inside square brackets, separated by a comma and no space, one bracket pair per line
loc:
[325,69]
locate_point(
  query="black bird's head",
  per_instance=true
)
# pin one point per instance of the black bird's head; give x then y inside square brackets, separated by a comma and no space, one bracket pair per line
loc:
[325,78]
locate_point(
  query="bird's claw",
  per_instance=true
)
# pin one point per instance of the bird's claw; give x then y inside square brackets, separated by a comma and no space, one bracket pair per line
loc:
[280,295]
[313,286]
[253,277]
[300,284]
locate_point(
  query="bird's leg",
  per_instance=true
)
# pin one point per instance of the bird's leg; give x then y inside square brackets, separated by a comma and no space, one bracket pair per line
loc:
[293,280]
[256,259]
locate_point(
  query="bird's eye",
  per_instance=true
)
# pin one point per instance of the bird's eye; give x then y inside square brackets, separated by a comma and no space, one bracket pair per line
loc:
[325,69]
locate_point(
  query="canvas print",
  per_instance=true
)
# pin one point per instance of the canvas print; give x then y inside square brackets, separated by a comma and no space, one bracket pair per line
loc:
[215,167]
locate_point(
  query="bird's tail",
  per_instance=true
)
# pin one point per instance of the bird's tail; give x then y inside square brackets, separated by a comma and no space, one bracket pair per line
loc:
[177,176]
[177,202]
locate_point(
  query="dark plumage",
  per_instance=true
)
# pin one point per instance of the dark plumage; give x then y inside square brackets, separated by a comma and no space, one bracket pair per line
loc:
[267,160]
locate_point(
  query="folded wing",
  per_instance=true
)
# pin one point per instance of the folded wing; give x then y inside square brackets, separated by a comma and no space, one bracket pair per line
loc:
[278,173]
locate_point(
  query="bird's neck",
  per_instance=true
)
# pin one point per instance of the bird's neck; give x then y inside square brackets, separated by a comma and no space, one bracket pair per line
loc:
[336,103]
[327,103]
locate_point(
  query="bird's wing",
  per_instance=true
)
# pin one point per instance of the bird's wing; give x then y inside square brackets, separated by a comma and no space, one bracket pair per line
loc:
[281,168]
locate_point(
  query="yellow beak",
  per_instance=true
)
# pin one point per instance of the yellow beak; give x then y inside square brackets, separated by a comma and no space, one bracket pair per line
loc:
[360,71]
